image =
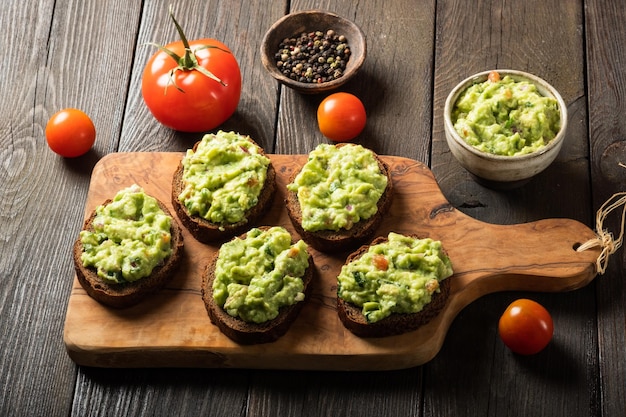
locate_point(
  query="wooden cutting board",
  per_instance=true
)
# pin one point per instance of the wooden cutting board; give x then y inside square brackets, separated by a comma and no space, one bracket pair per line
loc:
[172,329]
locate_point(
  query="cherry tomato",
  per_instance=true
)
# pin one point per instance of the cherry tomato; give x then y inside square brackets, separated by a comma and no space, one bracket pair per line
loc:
[192,86]
[526,327]
[70,133]
[494,76]
[381,262]
[341,117]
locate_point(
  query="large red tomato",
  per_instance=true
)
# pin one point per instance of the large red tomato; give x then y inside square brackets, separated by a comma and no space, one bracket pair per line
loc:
[192,86]
[526,327]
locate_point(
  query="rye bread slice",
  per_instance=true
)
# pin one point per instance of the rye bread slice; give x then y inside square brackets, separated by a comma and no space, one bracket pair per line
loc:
[341,240]
[399,323]
[208,232]
[241,331]
[131,293]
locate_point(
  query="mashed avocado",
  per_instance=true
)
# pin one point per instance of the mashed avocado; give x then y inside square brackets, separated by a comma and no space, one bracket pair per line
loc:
[131,236]
[223,177]
[506,117]
[338,187]
[256,276]
[397,276]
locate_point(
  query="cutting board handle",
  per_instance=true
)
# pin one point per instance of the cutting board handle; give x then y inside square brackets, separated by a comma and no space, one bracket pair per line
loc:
[535,256]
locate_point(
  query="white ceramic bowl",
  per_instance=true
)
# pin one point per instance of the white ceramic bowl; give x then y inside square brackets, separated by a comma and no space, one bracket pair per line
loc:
[497,170]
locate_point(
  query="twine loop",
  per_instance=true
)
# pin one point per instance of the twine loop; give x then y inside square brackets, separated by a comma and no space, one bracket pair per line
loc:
[604,238]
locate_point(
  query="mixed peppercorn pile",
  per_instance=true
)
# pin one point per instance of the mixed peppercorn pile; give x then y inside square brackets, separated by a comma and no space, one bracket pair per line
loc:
[314,57]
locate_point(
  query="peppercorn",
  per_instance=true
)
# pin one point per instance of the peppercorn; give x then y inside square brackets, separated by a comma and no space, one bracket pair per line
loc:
[313,57]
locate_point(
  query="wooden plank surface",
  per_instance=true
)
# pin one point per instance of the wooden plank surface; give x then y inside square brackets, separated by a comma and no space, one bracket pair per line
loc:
[240,25]
[90,54]
[172,329]
[56,54]
[607,135]
[395,83]
[544,39]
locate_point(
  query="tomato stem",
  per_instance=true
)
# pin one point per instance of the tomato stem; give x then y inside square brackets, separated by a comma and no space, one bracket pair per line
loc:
[179,29]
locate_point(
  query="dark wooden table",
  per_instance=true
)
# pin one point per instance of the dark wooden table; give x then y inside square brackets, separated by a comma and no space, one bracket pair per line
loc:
[90,54]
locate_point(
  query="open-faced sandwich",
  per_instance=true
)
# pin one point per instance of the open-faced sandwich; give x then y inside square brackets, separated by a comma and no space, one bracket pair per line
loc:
[255,285]
[339,197]
[222,186]
[392,286]
[129,247]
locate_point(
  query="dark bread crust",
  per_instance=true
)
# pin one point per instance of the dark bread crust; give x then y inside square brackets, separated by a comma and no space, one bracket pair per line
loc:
[241,331]
[395,324]
[128,294]
[341,240]
[208,232]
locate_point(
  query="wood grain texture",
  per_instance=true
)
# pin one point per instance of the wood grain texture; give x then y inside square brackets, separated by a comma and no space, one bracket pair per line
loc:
[90,54]
[395,82]
[239,25]
[548,43]
[56,54]
[173,329]
[607,135]
[516,36]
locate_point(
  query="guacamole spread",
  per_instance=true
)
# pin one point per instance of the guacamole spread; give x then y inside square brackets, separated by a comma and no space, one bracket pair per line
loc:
[131,235]
[506,117]
[397,276]
[338,187]
[256,276]
[223,177]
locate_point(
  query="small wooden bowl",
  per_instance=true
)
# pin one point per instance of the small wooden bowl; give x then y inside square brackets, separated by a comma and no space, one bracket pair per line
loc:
[310,21]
